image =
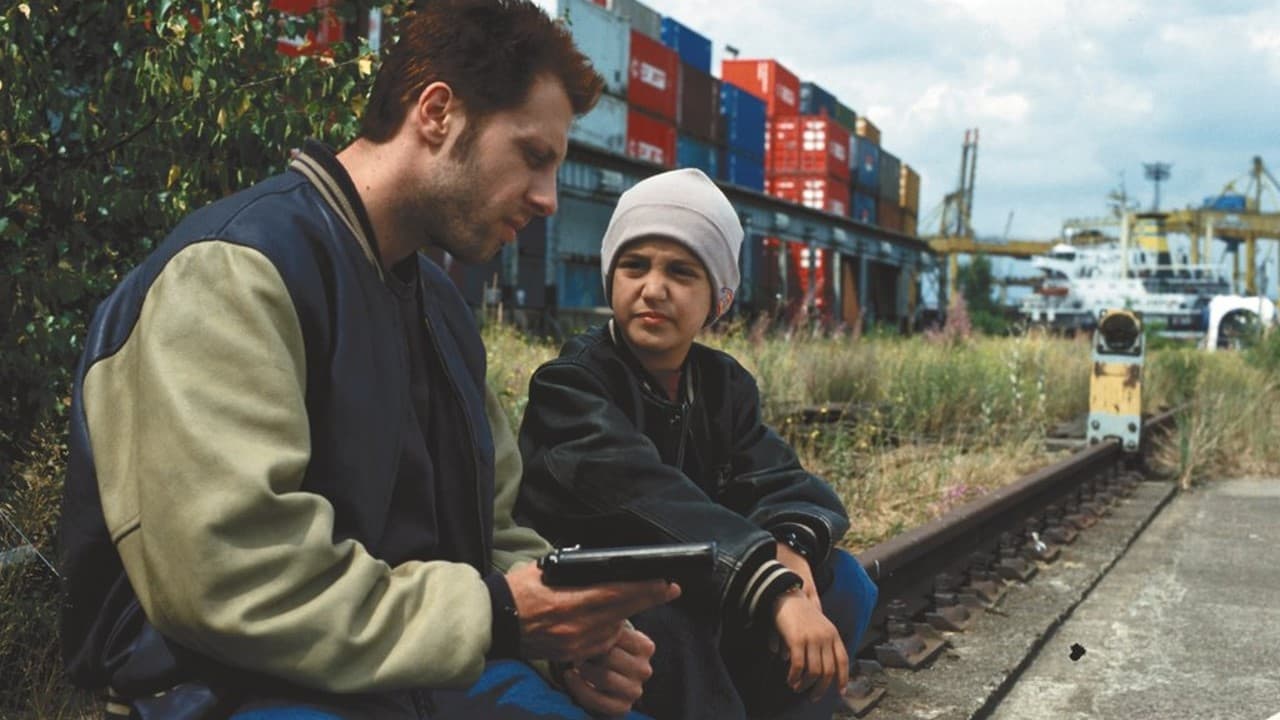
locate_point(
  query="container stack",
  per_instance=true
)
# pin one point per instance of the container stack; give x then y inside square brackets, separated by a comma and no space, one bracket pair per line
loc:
[909,199]
[742,159]
[865,176]
[698,106]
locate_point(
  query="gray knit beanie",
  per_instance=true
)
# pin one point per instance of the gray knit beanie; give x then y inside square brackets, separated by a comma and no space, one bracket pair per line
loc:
[685,206]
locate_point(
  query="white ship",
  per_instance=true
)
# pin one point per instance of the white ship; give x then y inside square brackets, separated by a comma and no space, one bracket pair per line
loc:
[1183,300]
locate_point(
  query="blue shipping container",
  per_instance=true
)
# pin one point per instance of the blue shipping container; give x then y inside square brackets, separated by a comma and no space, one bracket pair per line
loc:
[744,115]
[692,47]
[741,169]
[692,153]
[605,127]
[579,284]
[866,156]
[864,207]
[1227,202]
[814,100]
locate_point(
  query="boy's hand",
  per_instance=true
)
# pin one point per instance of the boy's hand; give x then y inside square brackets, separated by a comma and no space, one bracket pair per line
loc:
[611,684]
[813,647]
[796,563]
[573,624]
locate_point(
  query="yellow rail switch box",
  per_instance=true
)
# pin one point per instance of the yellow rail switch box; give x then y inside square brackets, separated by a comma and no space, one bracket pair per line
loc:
[1115,388]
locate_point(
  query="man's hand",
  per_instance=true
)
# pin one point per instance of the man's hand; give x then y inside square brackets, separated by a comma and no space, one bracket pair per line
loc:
[815,651]
[612,683]
[573,624]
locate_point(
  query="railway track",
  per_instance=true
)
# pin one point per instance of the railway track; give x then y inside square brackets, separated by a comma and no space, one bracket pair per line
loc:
[939,578]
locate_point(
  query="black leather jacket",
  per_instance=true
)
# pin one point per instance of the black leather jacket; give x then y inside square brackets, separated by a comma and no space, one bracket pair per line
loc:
[610,461]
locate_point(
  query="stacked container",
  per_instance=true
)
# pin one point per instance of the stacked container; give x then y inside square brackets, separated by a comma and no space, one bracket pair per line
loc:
[814,100]
[768,80]
[808,162]
[605,38]
[742,159]
[641,17]
[888,209]
[693,48]
[909,199]
[864,173]
[653,95]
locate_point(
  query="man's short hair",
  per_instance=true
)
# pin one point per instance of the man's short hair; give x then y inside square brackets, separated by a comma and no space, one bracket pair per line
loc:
[488,51]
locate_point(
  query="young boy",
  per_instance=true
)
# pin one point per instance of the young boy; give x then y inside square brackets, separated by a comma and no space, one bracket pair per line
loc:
[638,435]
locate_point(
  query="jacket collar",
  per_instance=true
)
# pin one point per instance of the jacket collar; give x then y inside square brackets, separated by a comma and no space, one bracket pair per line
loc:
[647,381]
[318,164]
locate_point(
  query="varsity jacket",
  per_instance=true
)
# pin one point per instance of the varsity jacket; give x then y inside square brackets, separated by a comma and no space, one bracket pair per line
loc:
[609,461]
[231,504]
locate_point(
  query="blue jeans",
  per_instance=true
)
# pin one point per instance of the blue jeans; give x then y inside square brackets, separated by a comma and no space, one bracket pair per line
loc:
[508,690]
[703,669]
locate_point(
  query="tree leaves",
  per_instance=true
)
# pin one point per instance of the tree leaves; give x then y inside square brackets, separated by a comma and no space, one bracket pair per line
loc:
[119,119]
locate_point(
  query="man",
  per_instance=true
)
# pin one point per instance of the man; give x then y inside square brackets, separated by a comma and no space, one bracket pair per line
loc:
[289,488]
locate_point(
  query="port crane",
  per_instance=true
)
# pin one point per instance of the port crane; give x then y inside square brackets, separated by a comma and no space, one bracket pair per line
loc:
[955,230]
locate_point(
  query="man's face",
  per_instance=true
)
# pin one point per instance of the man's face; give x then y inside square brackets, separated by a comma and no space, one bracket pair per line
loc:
[504,176]
[661,297]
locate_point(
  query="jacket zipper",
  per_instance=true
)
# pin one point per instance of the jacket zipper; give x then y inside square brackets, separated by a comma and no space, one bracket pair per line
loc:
[471,431]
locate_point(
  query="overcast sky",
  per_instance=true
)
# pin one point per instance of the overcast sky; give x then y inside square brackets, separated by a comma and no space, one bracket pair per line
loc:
[1070,97]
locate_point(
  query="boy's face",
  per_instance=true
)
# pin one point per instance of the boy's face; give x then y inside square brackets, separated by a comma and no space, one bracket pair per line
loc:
[661,298]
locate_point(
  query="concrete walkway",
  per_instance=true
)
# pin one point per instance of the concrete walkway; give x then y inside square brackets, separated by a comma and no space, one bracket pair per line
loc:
[1186,625]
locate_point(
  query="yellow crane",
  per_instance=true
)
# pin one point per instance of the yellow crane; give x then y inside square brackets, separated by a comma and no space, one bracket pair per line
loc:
[1247,226]
[955,232]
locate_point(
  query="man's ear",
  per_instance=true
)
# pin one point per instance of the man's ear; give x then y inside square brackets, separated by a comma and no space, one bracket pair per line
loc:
[437,111]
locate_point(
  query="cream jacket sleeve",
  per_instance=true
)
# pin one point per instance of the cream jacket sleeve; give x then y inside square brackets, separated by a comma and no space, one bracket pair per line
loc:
[200,438]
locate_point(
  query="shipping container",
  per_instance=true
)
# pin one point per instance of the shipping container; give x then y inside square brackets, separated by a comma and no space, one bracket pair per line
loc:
[605,127]
[698,111]
[577,228]
[741,169]
[890,172]
[809,278]
[1226,202]
[767,279]
[578,283]
[694,153]
[651,139]
[604,37]
[909,189]
[910,225]
[641,17]
[744,116]
[864,207]
[867,156]
[768,80]
[819,192]
[864,128]
[693,47]
[808,145]
[814,100]
[847,118]
[653,84]
[888,215]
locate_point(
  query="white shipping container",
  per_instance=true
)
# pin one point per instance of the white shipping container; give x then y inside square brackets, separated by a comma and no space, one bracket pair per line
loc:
[643,18]
[605,127]
[604,37]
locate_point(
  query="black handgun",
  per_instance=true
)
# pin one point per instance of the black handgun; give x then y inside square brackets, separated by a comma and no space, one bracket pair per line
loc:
[575,567]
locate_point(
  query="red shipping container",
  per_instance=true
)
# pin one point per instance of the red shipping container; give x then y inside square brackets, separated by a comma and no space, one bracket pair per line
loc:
[768,80]
[318,40]
[809,145]
[820,192]
[650,138]
[653,71]
[809,270]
